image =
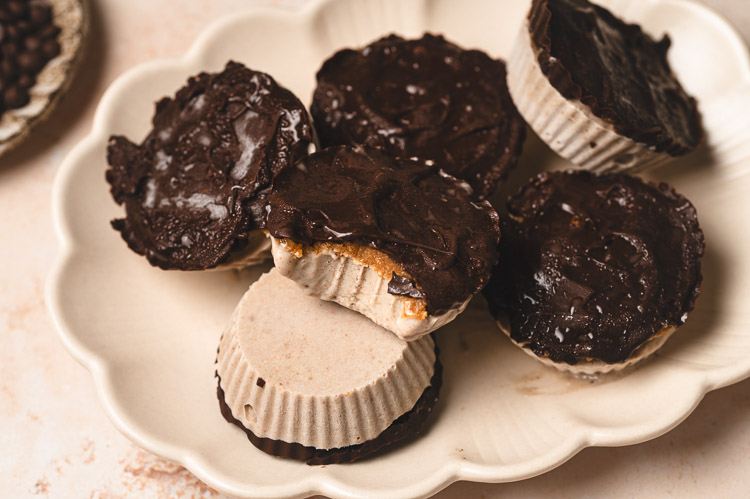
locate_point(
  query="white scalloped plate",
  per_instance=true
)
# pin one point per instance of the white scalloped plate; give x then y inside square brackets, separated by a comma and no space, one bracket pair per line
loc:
[149,337]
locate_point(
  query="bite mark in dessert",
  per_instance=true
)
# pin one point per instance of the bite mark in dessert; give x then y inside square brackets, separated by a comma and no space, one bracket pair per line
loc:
[195,190]
[427,99]
[397,240]
[596,271]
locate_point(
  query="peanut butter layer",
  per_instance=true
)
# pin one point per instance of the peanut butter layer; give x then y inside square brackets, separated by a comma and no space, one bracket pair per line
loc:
[333,276]
[415,308]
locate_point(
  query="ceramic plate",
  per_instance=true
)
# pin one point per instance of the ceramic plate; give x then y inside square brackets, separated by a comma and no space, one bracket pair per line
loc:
[149,337]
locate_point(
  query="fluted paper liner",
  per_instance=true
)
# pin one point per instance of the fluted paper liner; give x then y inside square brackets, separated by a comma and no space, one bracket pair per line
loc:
[299,369]
[348,282]
[568,127]
[71,16]
[595,367]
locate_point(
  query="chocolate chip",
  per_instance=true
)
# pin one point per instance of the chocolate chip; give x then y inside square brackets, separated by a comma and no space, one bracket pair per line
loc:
[30,61]
[50,49]
[40,15]
[49,31]
[26,81]
[24,27]
[10,49]
[8,70]
[12,32]
[32,44]
[16,9]
[15,97]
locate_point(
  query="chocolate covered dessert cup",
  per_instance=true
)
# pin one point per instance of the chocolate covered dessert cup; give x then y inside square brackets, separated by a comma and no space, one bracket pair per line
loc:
[600,92]
[195,190]
[426,99]
[596,271]
[396,240]
[321,384]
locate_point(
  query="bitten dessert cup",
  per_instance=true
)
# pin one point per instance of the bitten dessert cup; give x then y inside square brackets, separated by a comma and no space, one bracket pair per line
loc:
[310,380]
[596,271]
[358,277]
[195,190]
[599,92]
[396,240]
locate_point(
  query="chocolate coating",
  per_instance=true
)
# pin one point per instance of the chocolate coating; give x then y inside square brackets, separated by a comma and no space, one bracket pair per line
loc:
[409,424]
[197,185]
[28,41]
[592,266]
[422,98]
[617,70]
[421,218]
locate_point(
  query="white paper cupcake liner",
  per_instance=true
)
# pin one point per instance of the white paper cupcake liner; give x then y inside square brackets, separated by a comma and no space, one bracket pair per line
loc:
[595,367]
[569,127]
[301,370]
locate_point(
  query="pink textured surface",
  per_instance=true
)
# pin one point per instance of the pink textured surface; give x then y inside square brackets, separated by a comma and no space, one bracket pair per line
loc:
[55,438]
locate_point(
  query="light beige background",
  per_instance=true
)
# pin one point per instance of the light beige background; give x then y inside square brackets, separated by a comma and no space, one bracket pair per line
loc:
[55,440]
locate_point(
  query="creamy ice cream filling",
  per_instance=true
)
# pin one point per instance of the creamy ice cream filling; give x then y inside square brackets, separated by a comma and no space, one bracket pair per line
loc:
[359,278]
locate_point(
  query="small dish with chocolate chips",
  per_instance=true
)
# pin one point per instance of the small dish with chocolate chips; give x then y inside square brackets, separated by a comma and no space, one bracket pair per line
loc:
[40,46]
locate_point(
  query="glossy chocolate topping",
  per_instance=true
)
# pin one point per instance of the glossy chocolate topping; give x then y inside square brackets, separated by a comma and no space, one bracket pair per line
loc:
[593,266]
[423,219]
[198,183]
[28,41]
[617,70]
[408,424]
[422,98]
